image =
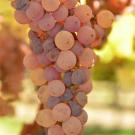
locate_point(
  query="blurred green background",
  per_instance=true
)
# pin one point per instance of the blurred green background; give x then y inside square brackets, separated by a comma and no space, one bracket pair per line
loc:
[111,105]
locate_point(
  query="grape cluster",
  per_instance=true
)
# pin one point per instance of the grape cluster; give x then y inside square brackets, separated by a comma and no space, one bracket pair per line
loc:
[62,37]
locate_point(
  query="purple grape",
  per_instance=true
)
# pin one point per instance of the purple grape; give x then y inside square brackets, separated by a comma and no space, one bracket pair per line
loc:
[67,79]
[80,76]
[68,95]
[52,101]
[75,108]
[21,4]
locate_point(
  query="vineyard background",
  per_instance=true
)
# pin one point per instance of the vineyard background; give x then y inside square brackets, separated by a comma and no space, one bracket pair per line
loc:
[111,105]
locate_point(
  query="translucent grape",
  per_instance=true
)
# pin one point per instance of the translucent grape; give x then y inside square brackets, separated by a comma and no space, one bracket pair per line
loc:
[61,112]
[50,5]
[61,13]
[67,78]
[64,40]
[45,118]
[66,60]
[72,24]
[72,126]
[47,22]
[105,18]
[51,74]
[86,35]
[55,130]
[75,108]
[56,88]
[84,13]
[35,11]
[53,101]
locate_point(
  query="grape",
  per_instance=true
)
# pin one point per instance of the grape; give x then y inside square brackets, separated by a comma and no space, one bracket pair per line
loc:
[84,13]
[21,17]
[81,98]
[77,49]
[47,22]
[50,5]
[55,130]
[86,87]
[53,54]
[80,76]
[83,117]
[51,74]
[64,40]
[88,58]
[53,32]
[35,11]
[70,3]
[56,88]
[68,95]
[61,14]
[61,112]
[72,24]
[105,18]
[43,94]
[38,77]
[75,108]
[35,43]
[30,61]
[53,101]
[48,45]
[67,79]
[34,27]
[100,31]
[72,126]
[21,4]
[45,118]
[86,35]
[66,60]
[43,60]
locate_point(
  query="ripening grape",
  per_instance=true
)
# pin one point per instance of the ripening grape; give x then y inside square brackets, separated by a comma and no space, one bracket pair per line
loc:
[84,13]
[47,22]
[53,32]
[86,35]
[77,49]
[35,11]
[99,30]
[43,94]
[56,88]
[75,108]
[64,40]
[81,98]
[45,118]
[38,77]
[72,24]
[68,95]
[21,4]
[70,3]
[30,61]
[34,27]
[83,117]
[53,101]
[61,13]
[66,60]
[87,58]
[51,74]
[53,54]
[50,5]
[55,130]
[61,112]
[105,18]
[21,17]
[72,126]
[67,78]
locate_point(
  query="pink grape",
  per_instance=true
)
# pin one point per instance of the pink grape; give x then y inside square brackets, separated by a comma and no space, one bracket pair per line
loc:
[34,26]
[100,31]
[34,11]
[61,14]
[47,22]
[51,74]
[55,130]
[70,3]
[86,35]
[72,24]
